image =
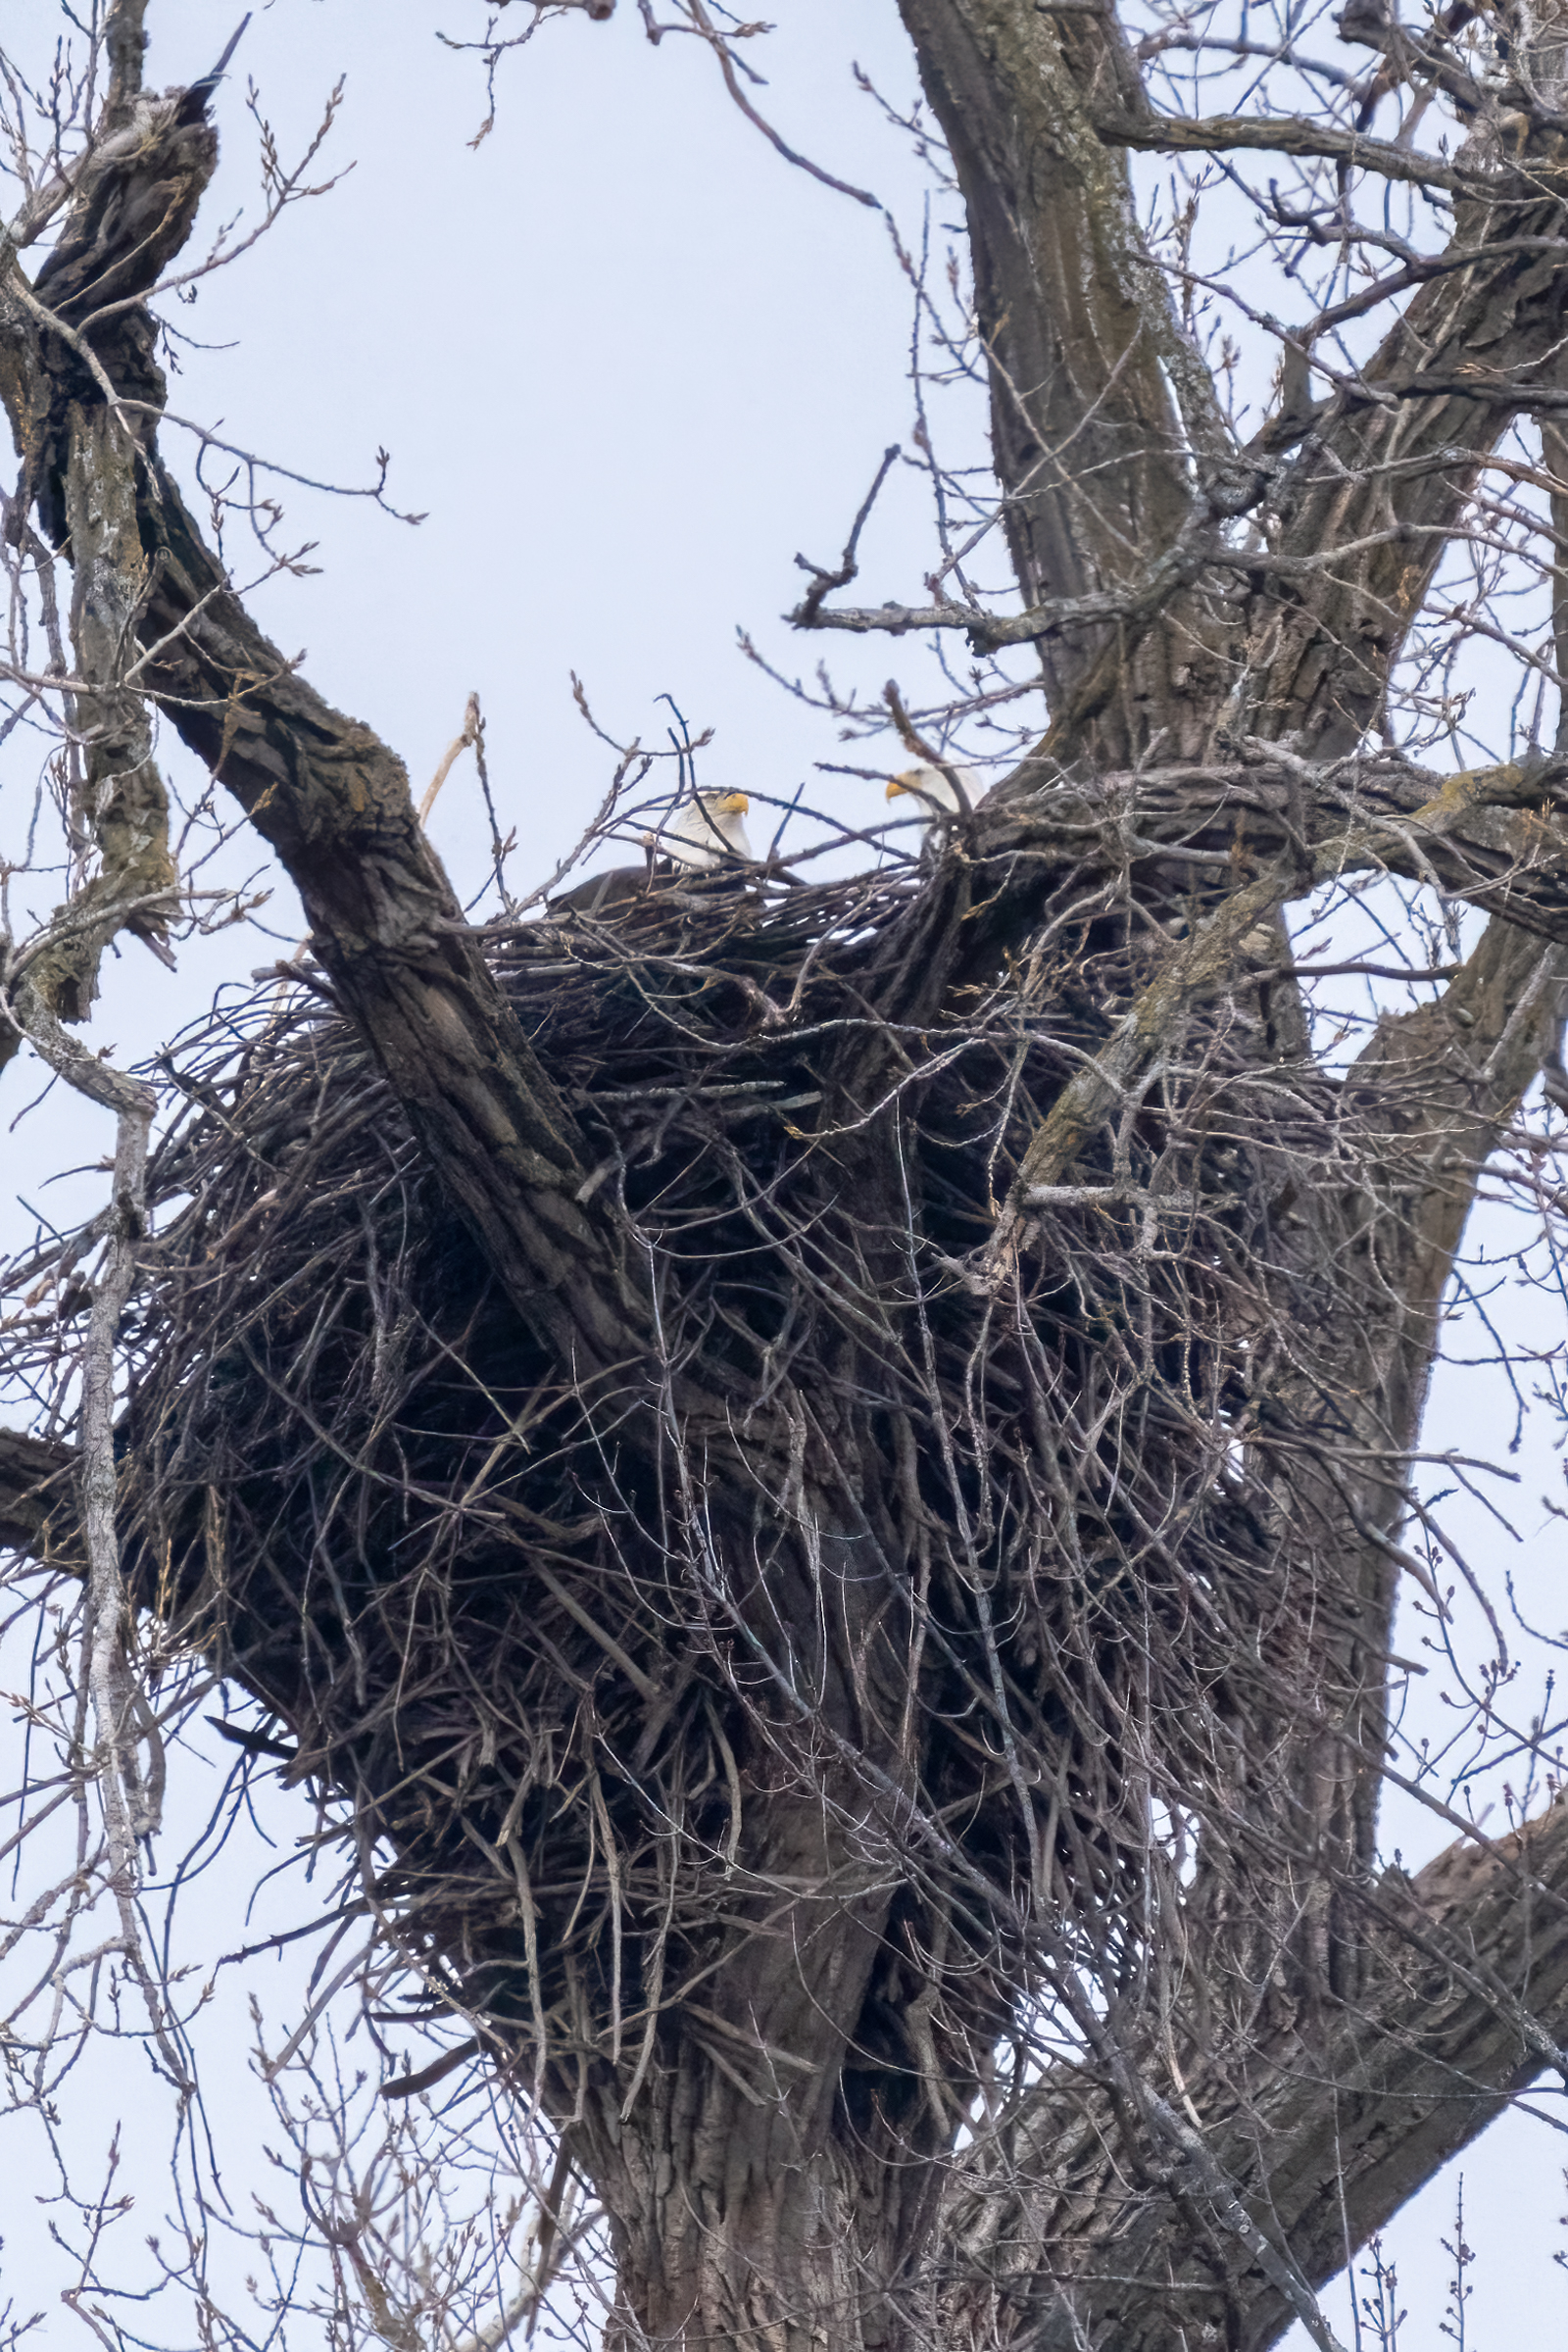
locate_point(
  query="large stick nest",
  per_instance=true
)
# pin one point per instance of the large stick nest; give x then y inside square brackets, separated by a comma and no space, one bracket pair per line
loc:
[542,1671]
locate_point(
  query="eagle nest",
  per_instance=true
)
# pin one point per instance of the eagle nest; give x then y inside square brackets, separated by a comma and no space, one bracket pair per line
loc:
[1006,1590]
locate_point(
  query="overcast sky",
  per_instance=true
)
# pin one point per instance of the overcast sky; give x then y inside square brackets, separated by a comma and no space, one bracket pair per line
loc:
[628,362]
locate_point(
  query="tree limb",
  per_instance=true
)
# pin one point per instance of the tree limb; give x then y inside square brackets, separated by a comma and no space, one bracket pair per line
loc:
[1090,444]
[1323,658]
[387,930]
[1467,1975]
[1282,134]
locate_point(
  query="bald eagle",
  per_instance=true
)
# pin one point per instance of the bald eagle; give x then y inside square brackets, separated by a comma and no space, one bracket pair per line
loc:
[696,836]
[933,794]
[702,832]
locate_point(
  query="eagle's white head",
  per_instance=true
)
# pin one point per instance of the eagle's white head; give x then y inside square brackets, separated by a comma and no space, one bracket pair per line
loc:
[933,791]
[702,832]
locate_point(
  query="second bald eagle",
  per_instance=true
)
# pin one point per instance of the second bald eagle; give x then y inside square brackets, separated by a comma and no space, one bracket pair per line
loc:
[932,791]
[695,835]
[703,832]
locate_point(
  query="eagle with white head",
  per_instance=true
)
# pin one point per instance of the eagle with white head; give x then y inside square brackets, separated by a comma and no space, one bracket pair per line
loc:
[933,792]
[694,836]
[702,832]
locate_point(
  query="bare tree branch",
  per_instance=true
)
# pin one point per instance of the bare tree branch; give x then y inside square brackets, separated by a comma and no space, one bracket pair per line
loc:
[1431,2052]
[1096,395]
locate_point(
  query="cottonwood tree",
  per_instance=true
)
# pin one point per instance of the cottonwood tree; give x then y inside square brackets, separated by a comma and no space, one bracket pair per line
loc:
[816,1471]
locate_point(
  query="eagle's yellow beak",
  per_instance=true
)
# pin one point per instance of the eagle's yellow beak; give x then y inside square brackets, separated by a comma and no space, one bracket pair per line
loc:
[900,784]
[729,804]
